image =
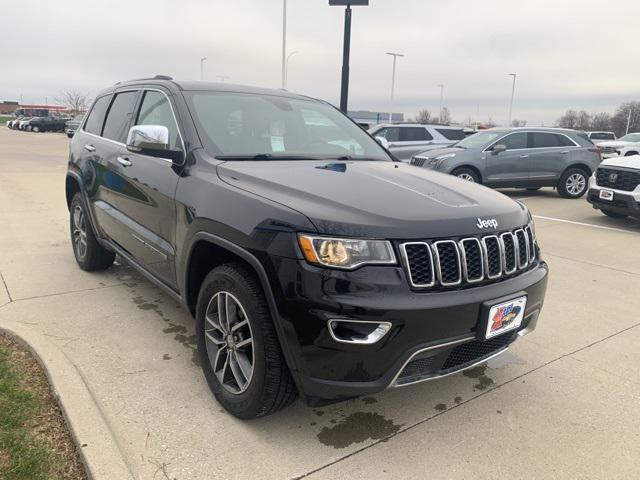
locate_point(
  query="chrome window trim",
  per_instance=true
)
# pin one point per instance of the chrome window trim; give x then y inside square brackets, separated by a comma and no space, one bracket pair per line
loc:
[464,260]
[486,256]
[438,266]
[526,246]
[575,144]
[403,253]
[143,89]
[504,252]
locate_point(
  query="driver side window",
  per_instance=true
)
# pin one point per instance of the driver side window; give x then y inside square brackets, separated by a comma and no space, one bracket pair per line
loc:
[514,141]
[156,110]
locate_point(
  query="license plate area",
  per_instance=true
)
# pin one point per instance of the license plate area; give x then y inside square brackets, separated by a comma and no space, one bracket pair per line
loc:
[502,316]
[606,195]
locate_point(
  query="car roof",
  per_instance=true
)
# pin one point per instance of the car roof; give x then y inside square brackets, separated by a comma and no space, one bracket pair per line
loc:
[408,124]
[193,85]
[532,129]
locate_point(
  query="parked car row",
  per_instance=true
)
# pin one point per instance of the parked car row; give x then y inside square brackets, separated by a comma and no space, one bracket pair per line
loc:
[406,140]
[38,124]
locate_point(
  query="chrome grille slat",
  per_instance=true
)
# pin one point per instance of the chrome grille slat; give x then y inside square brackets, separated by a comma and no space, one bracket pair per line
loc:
[450,263]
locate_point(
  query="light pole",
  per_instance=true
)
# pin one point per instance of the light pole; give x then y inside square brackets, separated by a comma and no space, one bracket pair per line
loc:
[286,71]
[513,91]
[441,100]
[284,42]
[202,60]
[393,81]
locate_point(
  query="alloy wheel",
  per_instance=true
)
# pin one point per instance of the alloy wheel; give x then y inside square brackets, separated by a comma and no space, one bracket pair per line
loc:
[576,184]
[467,177]
[79,232]
[229,342]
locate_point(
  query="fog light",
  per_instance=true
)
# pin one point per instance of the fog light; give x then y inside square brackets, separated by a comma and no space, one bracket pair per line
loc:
[357,331]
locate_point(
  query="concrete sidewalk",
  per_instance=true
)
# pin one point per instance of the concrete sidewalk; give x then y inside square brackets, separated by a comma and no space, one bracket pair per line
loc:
[562,403]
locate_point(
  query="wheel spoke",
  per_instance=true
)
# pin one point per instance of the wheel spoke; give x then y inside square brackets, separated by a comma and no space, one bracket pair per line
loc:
[222,311]
[213,324]
[231,310]
[216,341]
[237,372]
[239,325]
[245,342]
[221,351]
[244,364]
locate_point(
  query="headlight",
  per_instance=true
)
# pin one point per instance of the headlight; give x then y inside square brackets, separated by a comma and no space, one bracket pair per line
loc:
[345,253]
[444,157]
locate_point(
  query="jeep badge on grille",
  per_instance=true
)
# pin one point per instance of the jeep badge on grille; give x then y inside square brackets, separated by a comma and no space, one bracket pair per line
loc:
[487,223]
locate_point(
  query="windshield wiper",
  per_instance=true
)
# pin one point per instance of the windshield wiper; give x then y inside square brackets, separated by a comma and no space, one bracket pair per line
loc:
[265,156]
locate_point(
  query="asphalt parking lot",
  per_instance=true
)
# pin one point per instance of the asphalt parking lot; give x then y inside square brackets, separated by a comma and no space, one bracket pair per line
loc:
[564,402]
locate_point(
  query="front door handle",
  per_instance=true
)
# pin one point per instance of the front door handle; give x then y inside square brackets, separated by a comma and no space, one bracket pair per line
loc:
[564,152]
[90,148]
[524,156]
[125,162]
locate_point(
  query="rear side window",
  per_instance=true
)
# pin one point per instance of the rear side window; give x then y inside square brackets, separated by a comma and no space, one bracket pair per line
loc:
[414,134]
[451,134]
[156,110]
[548,140]
[119,116]
[96,116]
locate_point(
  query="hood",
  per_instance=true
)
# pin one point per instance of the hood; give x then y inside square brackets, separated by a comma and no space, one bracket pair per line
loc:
[632,161]
[376,199]
[615,144]
[436,152]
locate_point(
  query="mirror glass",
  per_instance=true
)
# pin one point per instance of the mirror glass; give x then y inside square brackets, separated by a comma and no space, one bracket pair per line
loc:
[148,137]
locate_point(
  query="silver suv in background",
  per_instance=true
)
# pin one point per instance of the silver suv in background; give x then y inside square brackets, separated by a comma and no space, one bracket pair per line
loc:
[405,140]
[520,157]
[597,137]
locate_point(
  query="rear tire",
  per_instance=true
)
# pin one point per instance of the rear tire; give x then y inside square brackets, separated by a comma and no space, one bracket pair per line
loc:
[90,255]
[611,214]
[35,129]
[573,183]
[629,154]
[466,174]
[260,383]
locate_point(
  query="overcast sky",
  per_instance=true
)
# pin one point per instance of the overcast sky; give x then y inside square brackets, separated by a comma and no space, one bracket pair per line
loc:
[567,53]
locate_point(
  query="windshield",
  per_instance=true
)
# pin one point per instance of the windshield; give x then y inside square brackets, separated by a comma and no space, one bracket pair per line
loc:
[244,125]
[631,137]
[478,140]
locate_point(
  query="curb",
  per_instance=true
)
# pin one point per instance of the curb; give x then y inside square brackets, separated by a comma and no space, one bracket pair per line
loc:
[100,453]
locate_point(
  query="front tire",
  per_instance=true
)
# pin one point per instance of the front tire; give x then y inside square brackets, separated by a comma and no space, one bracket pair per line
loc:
[238,346]
[35,129]
[90,255]
[466,174]
[573,183]
[611,214]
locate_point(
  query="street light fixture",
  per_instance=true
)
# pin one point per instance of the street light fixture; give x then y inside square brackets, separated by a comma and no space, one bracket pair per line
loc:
[441,100]
[286,72]
[513,91]
[393,81]
[202,60]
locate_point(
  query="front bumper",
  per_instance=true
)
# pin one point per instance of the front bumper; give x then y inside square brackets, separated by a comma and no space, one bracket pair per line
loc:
[427,328]
[624,202]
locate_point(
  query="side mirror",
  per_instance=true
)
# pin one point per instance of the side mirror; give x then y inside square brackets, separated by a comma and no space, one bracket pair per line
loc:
[499,149]
[383,141]
[153,141]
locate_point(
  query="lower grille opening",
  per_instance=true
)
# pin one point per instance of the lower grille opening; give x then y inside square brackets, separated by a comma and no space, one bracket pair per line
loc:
[475,350]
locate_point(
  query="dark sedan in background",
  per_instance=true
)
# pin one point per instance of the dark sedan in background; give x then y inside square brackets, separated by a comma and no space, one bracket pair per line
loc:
[520,157]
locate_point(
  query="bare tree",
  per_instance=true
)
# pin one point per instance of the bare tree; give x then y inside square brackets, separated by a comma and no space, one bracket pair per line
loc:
[626,113]
[75,101]
[445,117]
[518,123]
[601,121]
[584,121]
[568,120]
[423,116]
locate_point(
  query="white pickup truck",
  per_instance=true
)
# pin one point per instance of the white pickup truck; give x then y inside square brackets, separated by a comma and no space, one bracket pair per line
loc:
[627,145]
[614,188]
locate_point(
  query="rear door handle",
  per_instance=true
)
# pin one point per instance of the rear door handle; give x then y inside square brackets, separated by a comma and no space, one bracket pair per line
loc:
[524,156]
[90,148]
[564,152]
[125,162]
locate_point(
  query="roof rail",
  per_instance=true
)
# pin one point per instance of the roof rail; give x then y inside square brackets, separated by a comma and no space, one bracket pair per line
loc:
[157,77]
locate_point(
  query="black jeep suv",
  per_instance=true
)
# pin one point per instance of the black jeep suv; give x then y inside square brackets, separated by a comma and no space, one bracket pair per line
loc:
[312,261]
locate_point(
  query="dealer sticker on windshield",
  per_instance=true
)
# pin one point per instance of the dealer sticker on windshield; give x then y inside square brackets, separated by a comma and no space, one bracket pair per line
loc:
[505,317]
[606,195]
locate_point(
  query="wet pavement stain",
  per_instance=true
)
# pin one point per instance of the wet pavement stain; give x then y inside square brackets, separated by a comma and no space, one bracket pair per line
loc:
[166,356]
[441,407]
[357,428]
[478,373]
[369,400]
[458,400]
[319,412]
